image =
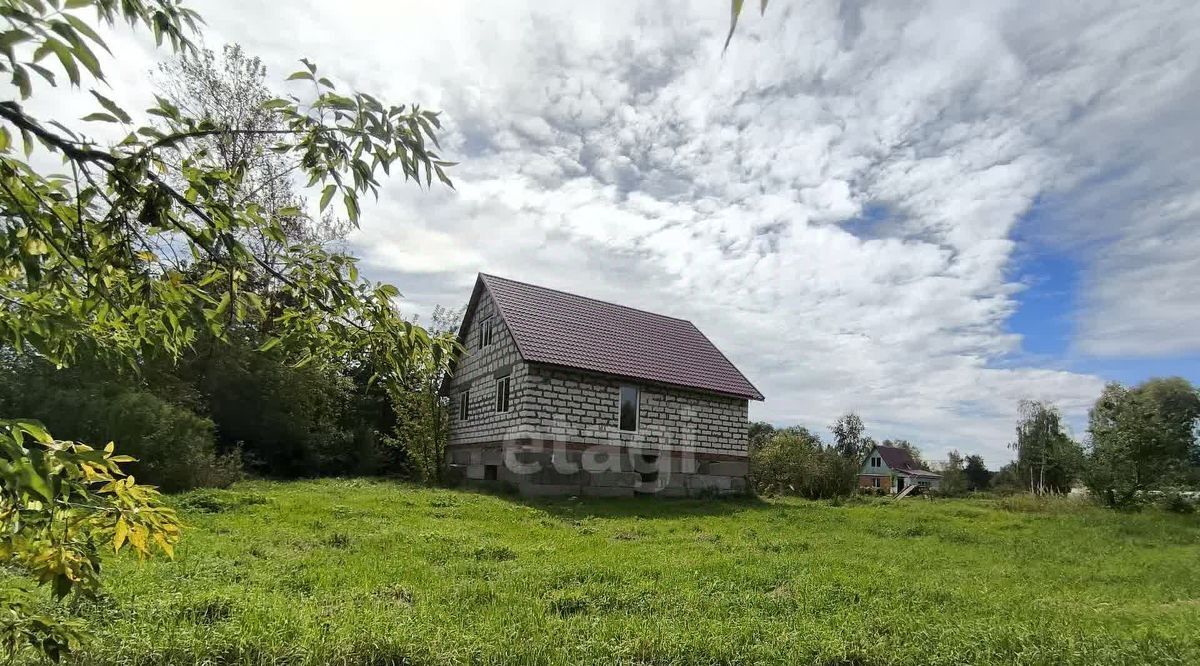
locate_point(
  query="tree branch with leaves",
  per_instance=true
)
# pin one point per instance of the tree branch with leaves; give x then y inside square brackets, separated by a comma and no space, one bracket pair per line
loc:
[138,246]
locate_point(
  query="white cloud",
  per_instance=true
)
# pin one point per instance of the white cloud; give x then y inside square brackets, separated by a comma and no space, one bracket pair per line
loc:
[619,154]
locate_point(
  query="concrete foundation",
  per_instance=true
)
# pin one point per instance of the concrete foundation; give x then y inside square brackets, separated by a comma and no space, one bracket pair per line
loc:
[541,469]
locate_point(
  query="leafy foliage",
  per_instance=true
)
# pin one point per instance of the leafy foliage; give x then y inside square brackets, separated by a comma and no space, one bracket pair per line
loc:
[174,447]
[848,436]
[136,250]
[954,477]
[794,461]
[976,471]
[1141,439]
[1048,460]
[113,257]
[59,503]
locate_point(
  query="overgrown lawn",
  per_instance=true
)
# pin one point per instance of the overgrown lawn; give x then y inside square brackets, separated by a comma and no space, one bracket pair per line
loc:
[378,572]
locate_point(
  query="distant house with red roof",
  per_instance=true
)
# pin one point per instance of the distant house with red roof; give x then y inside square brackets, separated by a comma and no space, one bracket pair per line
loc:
[894,469]
[560,394]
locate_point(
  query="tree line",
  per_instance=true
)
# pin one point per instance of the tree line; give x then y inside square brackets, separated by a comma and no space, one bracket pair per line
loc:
[1142,444]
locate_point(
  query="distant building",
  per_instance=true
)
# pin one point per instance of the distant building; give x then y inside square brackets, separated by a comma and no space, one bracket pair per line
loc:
[894,469]
[559,394]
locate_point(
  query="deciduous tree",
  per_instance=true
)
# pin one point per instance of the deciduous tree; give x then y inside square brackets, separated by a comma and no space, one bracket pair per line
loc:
[1048,460]
[978,476]
[848,438]
[1141,438]
[137,248]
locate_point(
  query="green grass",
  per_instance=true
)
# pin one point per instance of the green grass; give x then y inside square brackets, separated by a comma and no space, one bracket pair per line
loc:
[378,572]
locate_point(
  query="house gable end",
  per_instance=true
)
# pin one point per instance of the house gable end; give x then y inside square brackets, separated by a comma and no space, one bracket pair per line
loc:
[882,470]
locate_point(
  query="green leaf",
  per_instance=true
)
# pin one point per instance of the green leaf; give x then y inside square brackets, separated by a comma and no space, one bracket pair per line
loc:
[735,11]
[111,106]
[33,480]
[8,38]
[269,344]
[87,31]
[5,138]
[326,195]
[36,430]
[97,116]
[20,79]
[351,207]
[65,57]
[300,75]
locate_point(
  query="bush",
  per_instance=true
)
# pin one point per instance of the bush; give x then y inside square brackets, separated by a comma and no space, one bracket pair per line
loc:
[288,422]
[1176,501]
[218,501]
[795,462]
[175,448]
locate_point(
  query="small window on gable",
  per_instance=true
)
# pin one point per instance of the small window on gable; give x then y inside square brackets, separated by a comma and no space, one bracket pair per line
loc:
[629,408]
[502,389]
[464,405]
[485,333]
[876,461]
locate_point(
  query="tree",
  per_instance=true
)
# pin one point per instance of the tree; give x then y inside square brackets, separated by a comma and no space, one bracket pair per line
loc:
[794,461]
[423,417]
[954,478]
[758,433]
[1008,480]
[136,249]
[1048,460]
[231,90]
[978,476]
[1141,438]
[848,438]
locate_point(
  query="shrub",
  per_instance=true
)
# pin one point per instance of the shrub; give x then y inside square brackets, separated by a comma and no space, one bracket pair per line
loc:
[218,501]
[1176,501]
[795,462]
[175,449]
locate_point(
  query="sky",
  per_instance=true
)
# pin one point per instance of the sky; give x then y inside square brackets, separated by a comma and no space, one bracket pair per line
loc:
[920,211]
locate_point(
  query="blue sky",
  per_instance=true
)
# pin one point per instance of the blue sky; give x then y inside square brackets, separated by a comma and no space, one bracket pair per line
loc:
[924,212]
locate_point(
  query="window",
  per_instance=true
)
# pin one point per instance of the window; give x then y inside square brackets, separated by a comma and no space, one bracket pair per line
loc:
[464,405]
[502,385]
[485,332]
[489,472]
[876,461]
[629,408]
[875,482]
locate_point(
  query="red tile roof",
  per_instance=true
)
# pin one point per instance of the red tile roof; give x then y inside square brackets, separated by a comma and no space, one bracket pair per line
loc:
[562,329]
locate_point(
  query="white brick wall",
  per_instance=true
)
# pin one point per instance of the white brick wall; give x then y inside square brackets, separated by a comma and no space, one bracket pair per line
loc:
[476,370]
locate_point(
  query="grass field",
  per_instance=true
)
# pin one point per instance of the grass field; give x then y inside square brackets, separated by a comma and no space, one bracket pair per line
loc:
[377,572]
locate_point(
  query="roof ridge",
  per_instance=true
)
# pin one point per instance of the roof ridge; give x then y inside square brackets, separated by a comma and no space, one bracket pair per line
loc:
[589,298]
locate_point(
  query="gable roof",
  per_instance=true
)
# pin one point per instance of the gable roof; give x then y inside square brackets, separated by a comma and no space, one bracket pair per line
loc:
[901,460]
[557,328]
